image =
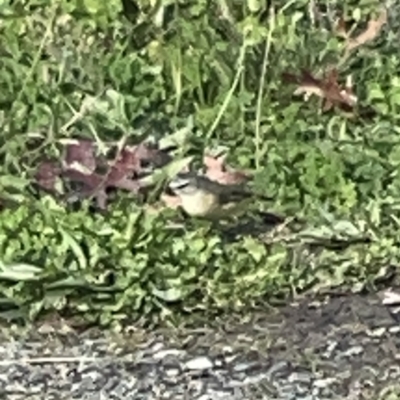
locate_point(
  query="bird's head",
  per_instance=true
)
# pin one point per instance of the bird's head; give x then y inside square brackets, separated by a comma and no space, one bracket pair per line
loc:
[184,184]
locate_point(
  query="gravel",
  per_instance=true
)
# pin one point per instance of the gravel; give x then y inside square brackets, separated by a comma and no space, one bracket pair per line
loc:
[346,347]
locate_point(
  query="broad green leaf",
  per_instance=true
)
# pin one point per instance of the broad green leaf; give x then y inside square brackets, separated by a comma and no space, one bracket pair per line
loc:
[71,243]
[167,172]
[20,272]
[169,295]
[179,138]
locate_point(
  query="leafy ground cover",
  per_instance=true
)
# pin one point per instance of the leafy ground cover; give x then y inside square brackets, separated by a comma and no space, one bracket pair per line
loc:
[101,102]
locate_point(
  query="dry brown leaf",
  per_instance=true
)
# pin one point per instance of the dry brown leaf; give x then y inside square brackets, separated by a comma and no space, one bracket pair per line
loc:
[371,32]
[327,88]
[217,170]
[90,173]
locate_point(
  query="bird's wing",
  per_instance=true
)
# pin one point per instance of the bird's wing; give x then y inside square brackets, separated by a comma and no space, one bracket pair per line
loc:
[229,193]
[234,193]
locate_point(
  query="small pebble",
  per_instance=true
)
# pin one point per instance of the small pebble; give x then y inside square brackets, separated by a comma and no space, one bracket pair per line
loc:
[199,363]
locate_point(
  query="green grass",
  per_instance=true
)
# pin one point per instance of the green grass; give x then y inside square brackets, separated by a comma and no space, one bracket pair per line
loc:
[81,69]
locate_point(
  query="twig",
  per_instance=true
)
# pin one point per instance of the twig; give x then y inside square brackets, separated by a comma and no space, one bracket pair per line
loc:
[48,360]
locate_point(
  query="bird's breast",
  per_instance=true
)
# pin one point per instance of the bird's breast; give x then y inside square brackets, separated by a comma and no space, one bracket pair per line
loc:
[200,204]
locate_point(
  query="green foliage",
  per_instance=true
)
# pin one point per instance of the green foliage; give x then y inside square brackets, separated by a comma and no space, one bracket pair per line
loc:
[110,70]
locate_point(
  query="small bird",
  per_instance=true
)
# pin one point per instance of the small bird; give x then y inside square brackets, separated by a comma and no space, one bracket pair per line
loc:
[205,198]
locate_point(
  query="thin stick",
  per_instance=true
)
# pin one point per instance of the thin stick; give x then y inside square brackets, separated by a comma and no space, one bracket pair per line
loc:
[48,360]
[267,49]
